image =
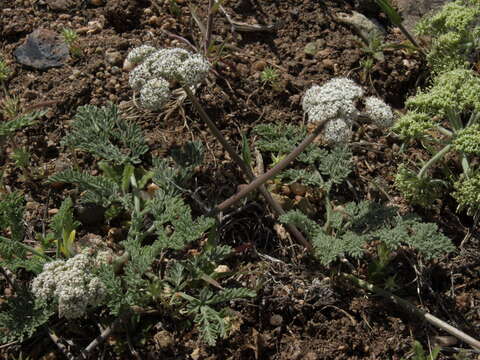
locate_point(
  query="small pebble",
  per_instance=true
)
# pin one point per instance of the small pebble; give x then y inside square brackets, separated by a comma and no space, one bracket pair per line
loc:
[276,320]
[259,65]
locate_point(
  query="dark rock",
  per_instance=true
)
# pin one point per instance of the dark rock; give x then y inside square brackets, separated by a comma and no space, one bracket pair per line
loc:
[43,49]
[62,5]
[90,214]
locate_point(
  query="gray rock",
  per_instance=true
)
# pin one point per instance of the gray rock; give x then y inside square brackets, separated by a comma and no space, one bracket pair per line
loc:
[362,25]
[413,10]
[313,47]
[43,49]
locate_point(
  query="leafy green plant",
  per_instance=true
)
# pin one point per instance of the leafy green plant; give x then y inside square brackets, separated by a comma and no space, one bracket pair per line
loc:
[269,75]
[314,167]
[420,354]
[186,286]
[445,118]
[157,222]
[346,229]
[120,145]
[71,38]
[455,32]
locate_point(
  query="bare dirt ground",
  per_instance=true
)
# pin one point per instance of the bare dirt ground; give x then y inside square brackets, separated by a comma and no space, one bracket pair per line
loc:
[301,312]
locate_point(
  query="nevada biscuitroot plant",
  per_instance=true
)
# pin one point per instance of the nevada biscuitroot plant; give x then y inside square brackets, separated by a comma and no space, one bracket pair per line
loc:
[445,116]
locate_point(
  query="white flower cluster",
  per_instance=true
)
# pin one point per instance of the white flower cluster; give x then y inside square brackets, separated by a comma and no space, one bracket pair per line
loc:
[158,68]
[71,284]
[336,102]
[380,113]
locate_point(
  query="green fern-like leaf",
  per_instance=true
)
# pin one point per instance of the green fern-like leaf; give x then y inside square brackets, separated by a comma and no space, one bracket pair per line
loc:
[105,134]
[280,139]
[98,189]
[172,214]
[365,222]
[14,253]
[21,316]
[231,294]
[7,128]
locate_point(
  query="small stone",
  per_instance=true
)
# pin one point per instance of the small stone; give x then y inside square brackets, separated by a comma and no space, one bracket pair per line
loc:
[163,339]
[62,5]
[313,47]
[115,70]
[298,189]
[328,63]
[113,57]
[154,20]
[222,269]
[276,320]
[96,2]
[310,48]
[127,65]
[52,211]
[43,49]
[259,65]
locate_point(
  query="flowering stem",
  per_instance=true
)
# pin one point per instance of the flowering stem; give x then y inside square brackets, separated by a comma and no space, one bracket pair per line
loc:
[272,172]
[434,159]
[412,309]
[245,168]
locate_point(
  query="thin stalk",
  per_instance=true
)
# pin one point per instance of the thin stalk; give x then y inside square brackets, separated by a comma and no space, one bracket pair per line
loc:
[270,173]
[208,34]
[87,352]
[414,310]
[411,38]
[245,168]
[434,159]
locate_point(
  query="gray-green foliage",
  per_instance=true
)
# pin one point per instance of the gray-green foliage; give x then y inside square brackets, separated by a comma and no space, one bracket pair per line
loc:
[21,315]
[8,128]
[13,252]
[455,31]
[358,224]
[185,285]
[453,101]
[315,166]
[105,134]
[159,222]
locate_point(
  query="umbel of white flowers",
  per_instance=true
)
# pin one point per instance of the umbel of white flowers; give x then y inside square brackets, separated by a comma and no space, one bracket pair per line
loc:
[156,70]
[336,101]
[71,284]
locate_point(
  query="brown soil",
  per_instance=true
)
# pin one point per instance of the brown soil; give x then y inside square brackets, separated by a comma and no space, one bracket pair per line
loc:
[300,312]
